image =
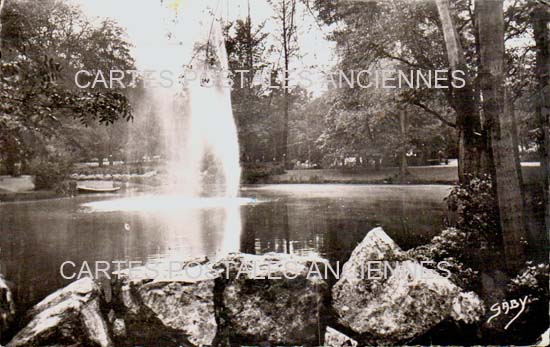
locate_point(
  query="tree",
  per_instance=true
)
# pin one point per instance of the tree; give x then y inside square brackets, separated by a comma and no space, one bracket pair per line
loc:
[498,112]
[44,44]
[246,48]
[396,34]
[540,17]
[285,16]
[307,124]
[417,34]
[462,100]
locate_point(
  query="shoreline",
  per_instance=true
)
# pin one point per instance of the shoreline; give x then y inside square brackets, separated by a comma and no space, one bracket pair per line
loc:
[38,195]
[418,175]
[34,195]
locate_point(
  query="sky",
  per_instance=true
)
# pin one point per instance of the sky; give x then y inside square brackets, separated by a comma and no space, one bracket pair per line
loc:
[147,23]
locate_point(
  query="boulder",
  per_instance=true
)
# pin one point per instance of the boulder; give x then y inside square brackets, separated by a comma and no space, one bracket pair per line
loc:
[398,299]
[7,306]
[273,298]
[178,298]
[70,316]
[356,285]
[334,338]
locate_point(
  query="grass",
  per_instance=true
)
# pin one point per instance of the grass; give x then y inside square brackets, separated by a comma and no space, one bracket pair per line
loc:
[388,175]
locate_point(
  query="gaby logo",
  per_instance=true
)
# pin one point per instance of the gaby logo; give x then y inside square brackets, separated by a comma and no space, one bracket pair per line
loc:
[506,306]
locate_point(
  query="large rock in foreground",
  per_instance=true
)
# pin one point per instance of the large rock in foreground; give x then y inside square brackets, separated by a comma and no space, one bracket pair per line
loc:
[273,298]
[7,306]
[70,316]
[356,285]
[180,302]
[386,298]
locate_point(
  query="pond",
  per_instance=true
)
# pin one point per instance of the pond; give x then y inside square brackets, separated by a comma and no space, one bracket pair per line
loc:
[36,238]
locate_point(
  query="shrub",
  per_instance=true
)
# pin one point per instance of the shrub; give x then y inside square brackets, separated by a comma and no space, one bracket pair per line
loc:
[532,282]
[256,173]
[49,174]
[476,209]
[450,246]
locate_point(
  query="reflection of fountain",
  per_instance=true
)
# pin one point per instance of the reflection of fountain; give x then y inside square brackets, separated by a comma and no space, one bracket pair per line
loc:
[186,226]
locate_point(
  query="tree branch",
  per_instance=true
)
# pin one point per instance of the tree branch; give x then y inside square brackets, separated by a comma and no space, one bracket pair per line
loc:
[434,113]
[403,60]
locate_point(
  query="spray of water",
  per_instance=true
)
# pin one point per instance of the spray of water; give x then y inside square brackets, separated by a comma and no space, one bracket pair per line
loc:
[200,132]
[199,214]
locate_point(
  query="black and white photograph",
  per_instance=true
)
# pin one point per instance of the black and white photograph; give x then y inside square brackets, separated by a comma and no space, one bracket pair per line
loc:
[273,173]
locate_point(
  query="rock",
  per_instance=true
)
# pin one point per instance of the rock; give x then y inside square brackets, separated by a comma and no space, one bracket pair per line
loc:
[406,294]
[265,306]
[119,328]
[467,308]
[355,286]
[180,300]
[70,316]
[334,338]
[118,325]
[7,306]
[401,303]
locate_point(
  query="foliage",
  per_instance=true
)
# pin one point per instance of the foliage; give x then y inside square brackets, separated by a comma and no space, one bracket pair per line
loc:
[400,35]
[246,48]
[407,35]
[475,206]
[257,173]
[453,247]
[307,125]
[532,282]
[259,109]
[44,45]
[49,174]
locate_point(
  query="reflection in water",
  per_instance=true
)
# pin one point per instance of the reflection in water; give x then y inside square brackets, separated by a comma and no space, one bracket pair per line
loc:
[329,220]
[191,227]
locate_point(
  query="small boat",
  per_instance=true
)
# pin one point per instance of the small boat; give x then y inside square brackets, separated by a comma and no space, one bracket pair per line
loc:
[84,189]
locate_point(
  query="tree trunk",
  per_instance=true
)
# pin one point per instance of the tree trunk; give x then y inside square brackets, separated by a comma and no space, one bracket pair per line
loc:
[284,139]
[498,112]
[288,11]
[470,149]
[10,164]
[403,169]
[2,2]
[540,18]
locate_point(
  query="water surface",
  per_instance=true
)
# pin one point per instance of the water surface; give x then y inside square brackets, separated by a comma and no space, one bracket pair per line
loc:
[327,220]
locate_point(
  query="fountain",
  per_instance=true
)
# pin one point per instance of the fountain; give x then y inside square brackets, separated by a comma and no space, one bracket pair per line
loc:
[202,148]
[199,207]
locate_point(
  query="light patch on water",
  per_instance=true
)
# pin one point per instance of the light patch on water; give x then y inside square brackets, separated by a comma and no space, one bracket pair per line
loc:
[166,203]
